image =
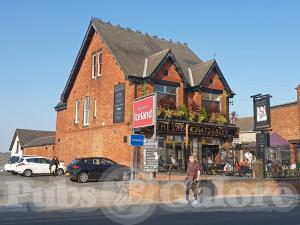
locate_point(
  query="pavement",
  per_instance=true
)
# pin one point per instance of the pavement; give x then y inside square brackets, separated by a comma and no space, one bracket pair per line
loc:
[57,200]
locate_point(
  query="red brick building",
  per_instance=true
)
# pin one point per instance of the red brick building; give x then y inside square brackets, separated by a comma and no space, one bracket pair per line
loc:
[286,122]
[117,62]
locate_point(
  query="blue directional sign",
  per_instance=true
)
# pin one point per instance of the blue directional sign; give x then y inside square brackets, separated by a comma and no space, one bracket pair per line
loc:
[137,140]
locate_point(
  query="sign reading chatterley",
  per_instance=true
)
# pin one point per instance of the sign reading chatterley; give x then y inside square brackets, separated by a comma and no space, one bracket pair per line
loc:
[205,130]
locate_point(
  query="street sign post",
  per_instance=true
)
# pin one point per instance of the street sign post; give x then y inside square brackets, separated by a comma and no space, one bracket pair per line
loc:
[262,124]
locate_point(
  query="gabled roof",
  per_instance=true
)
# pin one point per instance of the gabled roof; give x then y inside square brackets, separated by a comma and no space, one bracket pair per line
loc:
[153,61]
[246,124]
[200,70]
[48,140]
[131,49]
[25,136]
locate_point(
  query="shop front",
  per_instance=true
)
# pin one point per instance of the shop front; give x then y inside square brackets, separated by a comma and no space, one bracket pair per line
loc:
[211,143]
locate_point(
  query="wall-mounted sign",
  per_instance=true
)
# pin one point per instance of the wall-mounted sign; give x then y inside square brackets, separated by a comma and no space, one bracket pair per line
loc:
[137,140]
[119,103]
[203,130]
[144,113]
[262,116]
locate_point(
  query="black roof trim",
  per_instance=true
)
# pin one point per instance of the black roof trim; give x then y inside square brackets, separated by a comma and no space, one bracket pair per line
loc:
[217,68]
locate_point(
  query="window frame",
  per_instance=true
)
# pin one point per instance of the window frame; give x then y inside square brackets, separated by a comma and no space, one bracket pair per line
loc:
[95,108]
[77,111]
[99,64]
[210,99]
[86,111]
[165,92]
[94,65]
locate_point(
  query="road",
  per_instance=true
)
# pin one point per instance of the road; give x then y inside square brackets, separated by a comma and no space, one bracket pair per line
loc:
[51,201]
[266,215]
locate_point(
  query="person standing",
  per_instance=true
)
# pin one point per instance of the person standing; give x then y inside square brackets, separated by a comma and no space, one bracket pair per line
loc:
[54,166]
[192,178]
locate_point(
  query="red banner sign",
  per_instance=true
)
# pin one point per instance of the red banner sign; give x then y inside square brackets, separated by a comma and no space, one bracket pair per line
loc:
[144,112]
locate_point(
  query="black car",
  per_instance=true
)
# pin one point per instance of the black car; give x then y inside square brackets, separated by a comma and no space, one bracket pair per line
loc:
[97,168]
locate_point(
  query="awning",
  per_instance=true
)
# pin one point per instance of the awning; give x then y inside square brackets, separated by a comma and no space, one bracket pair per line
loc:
[276,141]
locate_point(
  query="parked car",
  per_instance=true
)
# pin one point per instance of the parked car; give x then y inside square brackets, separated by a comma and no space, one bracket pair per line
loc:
[29,165]
[97,168]
[11,165]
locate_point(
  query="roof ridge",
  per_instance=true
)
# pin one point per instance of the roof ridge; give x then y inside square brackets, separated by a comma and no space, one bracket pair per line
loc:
[138,32]
[202,63]
[35,130]
[160,52]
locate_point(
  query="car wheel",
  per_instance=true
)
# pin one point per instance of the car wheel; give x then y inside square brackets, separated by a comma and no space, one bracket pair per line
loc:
[27,173]
[83,177]
[60,172]
[125,176]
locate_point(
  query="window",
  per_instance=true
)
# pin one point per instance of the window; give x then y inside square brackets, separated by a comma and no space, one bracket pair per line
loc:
[211,102]
[96,162]
[94,65]
[95,108]
[99,63]
[166,96]
[86,112]
[77,110]
[107,162]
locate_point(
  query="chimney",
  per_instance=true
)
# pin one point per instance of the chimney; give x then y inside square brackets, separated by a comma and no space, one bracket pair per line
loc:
[298,92]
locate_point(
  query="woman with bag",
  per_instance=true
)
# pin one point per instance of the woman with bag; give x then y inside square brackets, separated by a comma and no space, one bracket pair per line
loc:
[53,166]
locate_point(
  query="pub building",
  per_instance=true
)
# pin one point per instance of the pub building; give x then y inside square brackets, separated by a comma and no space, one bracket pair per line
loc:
[114,67]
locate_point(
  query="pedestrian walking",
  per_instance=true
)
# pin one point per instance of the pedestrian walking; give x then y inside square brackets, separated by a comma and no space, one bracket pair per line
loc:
[193,178]
[53,166]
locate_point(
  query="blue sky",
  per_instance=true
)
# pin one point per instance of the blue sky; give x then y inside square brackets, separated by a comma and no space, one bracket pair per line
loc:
[256,43]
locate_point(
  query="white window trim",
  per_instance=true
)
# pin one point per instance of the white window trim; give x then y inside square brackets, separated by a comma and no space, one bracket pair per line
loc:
[77,111]
[86,111]
[98,63]
[95,108]
[93,65]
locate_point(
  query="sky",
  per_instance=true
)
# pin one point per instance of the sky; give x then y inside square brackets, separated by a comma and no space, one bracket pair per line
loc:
[256,44]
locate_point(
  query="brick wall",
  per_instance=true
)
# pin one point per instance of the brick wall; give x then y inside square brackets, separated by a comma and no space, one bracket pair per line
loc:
[285,121]
[102,137]
[48,151]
